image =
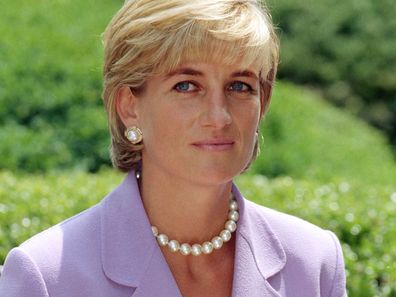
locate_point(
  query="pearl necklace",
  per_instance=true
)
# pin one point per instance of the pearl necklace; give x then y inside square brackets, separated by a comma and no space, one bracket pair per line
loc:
[208,246]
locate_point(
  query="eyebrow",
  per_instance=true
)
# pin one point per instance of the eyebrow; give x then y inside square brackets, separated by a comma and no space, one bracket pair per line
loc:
[185,71]
[245,73]
[194,72]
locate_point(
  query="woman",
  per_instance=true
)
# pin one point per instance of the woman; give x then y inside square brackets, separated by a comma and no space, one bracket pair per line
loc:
[186,83]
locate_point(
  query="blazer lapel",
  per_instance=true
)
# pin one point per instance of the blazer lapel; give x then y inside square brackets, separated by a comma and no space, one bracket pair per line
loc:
[130,255]
[259,254]
[157,280]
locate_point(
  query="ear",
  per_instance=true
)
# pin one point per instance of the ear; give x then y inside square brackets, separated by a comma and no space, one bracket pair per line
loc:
[126,105]
[266,92]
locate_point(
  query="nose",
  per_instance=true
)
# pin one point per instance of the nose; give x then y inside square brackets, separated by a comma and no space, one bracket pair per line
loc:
[215,112]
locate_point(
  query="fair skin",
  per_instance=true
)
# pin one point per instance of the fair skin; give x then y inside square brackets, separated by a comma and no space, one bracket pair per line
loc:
[198,125]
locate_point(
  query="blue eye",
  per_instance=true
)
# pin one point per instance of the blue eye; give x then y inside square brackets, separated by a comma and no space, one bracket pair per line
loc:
[240,87]
[185,86]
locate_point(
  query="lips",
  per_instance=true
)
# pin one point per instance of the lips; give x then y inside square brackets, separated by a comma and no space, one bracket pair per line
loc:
[215,145]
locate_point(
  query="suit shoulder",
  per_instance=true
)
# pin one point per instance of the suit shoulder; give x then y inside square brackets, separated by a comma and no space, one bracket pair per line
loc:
[75,235]
[307,248]
[21,277]
[298,237]
[286,224]
[79,221]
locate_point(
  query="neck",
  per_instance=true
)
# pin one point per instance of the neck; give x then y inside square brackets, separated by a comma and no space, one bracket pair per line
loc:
[184,211]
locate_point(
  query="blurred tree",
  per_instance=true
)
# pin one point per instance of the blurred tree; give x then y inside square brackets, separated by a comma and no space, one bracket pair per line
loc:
[51,112]
[346,48]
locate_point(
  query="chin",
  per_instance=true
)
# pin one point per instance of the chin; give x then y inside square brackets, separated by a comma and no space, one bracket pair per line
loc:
[217,176]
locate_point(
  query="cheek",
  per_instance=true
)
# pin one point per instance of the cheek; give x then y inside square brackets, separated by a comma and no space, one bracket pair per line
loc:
[248,125]
[150,120]
[155,128]
[249,116]
[162,125]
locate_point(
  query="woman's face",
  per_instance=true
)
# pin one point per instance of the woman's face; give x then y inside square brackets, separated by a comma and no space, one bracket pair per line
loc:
[199,121]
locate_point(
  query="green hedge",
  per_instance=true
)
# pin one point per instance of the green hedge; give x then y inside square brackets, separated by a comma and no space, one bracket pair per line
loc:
[306,138]
[362,216]
[50,91]
[51,114]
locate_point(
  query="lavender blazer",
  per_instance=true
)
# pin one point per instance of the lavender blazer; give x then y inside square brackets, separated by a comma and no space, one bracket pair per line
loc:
[109,251]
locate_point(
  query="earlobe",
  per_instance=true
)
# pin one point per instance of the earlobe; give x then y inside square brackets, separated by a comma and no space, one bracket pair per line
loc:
[126,105]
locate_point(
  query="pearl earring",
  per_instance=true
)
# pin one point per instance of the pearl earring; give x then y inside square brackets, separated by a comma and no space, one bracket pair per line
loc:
[134,134]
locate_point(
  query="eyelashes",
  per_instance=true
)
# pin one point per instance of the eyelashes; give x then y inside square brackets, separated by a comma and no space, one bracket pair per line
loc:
[235,86]
[185,87]
[239,86]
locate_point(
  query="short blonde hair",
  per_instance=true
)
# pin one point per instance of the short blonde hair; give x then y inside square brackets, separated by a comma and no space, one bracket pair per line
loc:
[148,37]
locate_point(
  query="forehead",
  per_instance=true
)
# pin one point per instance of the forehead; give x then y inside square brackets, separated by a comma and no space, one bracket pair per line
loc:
[212,50]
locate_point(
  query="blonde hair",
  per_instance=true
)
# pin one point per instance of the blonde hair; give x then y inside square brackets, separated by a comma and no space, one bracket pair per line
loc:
[147,37]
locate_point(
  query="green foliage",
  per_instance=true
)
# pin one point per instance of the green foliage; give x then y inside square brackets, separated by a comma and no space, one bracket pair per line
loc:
[362,216]
[32,203]
[52,116]
[347,48]
[305,138]
[50,91]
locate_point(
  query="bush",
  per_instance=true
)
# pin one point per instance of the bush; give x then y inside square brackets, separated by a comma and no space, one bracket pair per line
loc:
[307,139]
[347,48]
[52,116]
[51,86]
[362,216]
[31,203]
